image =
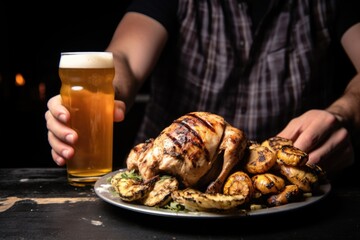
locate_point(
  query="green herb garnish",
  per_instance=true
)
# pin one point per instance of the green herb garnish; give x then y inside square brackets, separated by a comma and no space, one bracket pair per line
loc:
[175,206]
[131,175]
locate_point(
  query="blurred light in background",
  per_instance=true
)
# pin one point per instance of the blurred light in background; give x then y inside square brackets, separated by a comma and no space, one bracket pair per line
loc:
[19,80]
[42,91]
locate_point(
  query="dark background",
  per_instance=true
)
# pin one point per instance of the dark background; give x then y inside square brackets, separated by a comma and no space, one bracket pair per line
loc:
[32,35]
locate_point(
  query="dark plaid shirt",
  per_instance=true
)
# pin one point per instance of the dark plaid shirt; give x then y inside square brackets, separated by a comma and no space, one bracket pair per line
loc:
[256,78]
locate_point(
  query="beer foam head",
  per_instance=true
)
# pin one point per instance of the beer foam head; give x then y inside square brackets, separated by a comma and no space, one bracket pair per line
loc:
[86,60]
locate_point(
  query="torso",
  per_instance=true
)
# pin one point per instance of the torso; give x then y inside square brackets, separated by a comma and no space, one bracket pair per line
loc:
[256,78]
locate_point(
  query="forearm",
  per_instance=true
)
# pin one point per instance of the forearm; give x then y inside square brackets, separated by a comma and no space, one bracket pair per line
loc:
[125,83]
[136,44]
[347,107]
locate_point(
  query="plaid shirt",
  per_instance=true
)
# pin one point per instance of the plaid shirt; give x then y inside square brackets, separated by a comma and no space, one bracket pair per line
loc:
[257,80]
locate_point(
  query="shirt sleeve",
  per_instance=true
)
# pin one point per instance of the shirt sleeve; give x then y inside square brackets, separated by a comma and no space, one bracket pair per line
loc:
[348,15]
[163,11]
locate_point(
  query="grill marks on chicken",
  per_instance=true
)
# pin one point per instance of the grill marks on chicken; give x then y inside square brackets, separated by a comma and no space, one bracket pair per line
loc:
[199,148]
[185,137]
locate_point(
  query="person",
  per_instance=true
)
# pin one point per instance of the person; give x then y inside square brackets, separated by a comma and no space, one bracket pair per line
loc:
[268,67]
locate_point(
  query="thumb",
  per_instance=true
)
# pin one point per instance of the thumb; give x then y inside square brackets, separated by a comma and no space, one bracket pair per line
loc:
[119,111]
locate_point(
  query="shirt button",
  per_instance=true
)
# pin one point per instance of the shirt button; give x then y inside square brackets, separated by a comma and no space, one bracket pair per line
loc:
[242,44]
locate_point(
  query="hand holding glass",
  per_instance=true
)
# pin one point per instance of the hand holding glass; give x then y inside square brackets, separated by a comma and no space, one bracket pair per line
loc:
[87,92]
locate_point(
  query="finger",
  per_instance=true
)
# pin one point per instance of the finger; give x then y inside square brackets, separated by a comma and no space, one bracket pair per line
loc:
[325,154]
[303,138]
[60,151]
[119,111]
[57,109]
[317,132]
[291,131]
[61,131]
[339,160]
[60,161]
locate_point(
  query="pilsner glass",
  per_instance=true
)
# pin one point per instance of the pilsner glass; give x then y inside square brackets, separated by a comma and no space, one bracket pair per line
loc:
[87,92]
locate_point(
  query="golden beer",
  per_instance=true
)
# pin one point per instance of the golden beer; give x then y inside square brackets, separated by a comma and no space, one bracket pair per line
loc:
[87,92]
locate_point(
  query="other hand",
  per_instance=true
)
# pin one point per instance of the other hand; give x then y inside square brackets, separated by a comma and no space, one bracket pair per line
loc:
[323,137]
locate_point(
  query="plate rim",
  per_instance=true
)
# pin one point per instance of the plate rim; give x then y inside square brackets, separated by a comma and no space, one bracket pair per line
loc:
[102,189]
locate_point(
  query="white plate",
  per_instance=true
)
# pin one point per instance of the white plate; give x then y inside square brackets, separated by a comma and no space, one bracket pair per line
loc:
[106,192]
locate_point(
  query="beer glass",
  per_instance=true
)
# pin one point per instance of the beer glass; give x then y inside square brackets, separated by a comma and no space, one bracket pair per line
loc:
[87,92]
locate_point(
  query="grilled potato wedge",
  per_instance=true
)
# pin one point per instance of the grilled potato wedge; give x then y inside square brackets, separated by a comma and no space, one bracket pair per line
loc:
[195,200]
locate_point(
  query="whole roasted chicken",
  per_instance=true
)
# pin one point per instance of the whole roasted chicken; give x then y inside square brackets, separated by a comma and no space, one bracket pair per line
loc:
[199,148]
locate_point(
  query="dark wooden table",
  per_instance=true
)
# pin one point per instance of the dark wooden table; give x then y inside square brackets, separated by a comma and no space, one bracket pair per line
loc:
[38,203]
